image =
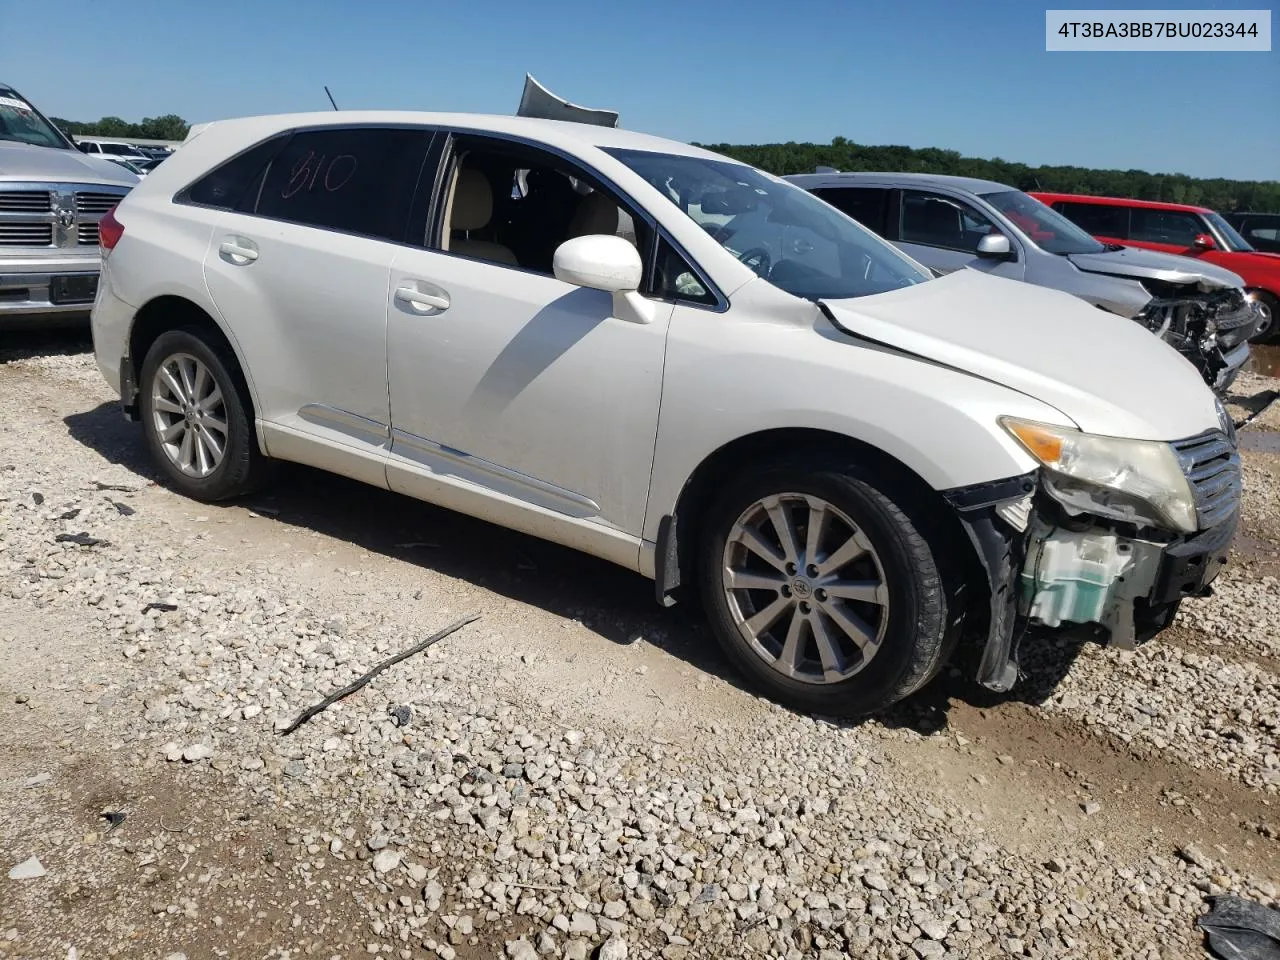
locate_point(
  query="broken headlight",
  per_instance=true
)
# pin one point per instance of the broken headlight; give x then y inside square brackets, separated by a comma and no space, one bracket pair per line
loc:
[1138,481]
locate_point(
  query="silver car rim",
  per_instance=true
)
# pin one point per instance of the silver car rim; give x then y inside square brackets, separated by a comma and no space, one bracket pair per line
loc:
[1264,327]
[806,588]
[189,415]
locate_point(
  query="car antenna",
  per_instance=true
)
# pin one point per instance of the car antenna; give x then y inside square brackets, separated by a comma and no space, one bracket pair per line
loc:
[330,95]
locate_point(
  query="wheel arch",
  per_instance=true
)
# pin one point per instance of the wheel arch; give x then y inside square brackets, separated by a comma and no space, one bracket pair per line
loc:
[177,312]
[679,531]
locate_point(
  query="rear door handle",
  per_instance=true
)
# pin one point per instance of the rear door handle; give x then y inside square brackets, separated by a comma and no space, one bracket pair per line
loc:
[422,300]
[238,251]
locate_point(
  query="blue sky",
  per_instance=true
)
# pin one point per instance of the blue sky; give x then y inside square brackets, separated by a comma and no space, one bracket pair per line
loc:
[973,77]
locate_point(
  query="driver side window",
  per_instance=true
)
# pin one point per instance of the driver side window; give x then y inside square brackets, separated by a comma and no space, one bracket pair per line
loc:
[938,221]
[514,205]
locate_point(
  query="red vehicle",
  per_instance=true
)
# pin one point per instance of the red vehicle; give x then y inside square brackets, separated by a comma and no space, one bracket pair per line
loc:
[1183,229]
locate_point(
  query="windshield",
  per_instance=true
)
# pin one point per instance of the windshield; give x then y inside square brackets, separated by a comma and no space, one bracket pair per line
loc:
[1045,227]
[789,237]
[21,122]
[1235,242]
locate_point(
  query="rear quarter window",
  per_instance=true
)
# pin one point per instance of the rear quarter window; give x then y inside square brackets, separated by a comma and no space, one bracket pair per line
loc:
[228,186]
[355,180]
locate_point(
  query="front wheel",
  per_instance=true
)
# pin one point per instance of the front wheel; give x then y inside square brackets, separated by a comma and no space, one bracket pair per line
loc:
[1267,306]
[196,417]
[823,591]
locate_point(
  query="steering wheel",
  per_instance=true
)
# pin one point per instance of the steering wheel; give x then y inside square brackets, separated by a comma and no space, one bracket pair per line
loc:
[758,260]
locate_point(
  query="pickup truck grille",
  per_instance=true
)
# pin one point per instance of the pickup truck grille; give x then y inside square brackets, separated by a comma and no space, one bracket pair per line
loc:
[26,201]
[1211,463]
[26,234]
[54,215]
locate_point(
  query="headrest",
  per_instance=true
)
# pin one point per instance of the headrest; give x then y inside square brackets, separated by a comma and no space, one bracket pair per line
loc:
[472,201]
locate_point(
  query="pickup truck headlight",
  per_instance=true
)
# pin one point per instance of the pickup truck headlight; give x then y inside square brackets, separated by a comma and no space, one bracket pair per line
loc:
[1139,481]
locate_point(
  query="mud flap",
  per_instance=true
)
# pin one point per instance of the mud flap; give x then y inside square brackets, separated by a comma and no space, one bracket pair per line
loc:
[990,515]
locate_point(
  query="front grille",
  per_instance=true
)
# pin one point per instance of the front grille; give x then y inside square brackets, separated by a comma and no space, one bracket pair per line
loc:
[1211,463]
[87,202]
[88,235]
[26,201]
[26,234]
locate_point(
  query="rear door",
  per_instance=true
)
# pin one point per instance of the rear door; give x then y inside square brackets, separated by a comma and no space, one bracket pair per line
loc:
[942,232]
[300,273]
[1107,222]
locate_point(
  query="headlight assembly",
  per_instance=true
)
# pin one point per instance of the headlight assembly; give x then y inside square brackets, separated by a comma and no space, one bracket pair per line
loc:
[1139,481]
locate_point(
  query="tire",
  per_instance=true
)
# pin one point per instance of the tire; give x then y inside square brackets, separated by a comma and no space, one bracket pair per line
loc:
[177,356]
[911,634]
[1271,306]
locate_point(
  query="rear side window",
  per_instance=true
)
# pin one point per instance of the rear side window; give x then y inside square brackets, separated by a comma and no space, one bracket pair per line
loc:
[228,186]
[868,205]
[938,221]
[1164,226]
[1099,219]
[356,180]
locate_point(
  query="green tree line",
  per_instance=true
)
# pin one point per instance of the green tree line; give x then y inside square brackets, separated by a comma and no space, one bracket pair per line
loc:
[1218,194]
[168,127]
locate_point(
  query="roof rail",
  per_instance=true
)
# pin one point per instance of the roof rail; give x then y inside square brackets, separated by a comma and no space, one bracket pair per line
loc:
[538,101]
[825,170]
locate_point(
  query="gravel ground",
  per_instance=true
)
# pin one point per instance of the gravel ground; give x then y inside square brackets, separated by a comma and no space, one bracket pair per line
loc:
[576,773]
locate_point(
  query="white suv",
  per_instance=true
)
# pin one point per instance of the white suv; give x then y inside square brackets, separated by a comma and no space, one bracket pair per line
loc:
[553,326]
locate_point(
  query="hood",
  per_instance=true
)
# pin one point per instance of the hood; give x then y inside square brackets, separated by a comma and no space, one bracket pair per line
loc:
[1154,265]
[22,161]
[1108,374]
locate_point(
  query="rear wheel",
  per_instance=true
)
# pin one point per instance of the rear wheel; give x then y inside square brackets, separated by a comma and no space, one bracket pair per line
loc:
[196,417]
[823,591]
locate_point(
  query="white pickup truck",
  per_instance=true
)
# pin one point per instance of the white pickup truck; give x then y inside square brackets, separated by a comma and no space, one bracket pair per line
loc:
[51,199]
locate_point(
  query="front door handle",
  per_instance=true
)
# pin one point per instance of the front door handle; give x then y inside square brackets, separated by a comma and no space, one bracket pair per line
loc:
[420,300]
[238,251]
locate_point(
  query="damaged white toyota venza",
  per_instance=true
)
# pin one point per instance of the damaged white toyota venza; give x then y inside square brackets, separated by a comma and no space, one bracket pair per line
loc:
[555,326]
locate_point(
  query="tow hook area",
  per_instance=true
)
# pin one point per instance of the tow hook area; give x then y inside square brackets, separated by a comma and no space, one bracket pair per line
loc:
[1086,576]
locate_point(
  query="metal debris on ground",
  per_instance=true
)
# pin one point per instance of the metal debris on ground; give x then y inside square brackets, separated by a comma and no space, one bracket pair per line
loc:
[162,607]
[365,678]
[113,817]
[80,539]
[1239,929]
[117,487]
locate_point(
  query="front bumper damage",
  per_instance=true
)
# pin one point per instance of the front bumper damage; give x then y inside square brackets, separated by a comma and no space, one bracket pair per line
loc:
[1210,328]
[1046,569]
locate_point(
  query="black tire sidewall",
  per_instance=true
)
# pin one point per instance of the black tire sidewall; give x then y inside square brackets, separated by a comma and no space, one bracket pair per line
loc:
[231,477]
[915,639]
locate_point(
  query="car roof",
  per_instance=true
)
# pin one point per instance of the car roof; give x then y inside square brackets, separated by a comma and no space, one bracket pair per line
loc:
[1122,201]
[562,133]
[971,184]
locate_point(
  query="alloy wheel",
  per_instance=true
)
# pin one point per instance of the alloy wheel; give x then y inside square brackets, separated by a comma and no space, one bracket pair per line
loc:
[189,415]
[805,588]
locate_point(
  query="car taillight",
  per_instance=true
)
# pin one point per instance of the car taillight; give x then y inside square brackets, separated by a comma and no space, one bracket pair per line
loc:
[110,230]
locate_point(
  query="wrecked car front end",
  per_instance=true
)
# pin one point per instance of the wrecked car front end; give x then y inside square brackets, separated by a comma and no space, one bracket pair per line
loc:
[1210,327]
[1108,533]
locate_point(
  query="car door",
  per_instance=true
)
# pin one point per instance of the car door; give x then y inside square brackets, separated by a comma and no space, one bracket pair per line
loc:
[515,395]
[942,232]
[299,271]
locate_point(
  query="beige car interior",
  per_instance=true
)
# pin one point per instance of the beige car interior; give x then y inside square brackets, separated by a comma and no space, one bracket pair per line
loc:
[523,221]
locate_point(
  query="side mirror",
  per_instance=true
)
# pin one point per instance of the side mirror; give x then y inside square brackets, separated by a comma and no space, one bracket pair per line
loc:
[1204,241]
[994,246]
[609,263]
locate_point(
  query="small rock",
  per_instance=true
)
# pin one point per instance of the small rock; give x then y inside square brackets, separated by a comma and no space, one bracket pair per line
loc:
[386,860]
[1057,865]
[928,949]
[31,869]
[1194,855]
[582,923]
[1090,807]
[876,881]
[197,752]
[614,948]
[295,768]
[521,949]
[575,950]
